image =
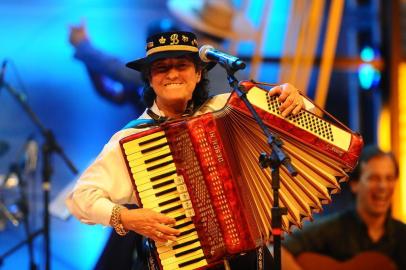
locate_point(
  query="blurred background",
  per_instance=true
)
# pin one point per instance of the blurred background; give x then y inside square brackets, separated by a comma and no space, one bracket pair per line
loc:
[348,56]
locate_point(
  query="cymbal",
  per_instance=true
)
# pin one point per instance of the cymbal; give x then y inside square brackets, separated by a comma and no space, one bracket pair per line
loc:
[3,147]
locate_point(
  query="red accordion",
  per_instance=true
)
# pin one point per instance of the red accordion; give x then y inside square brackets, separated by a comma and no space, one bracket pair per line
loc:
[203,171]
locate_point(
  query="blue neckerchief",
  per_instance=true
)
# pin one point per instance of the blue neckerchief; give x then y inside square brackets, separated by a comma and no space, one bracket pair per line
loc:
[156,120]
[140,123]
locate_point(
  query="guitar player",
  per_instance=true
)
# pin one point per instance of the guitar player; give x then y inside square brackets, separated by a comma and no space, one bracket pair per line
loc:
[363,237]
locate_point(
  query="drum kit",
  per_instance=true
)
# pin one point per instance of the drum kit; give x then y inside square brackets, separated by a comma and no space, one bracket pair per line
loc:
[4,212]
[15,181]
[8,211]
[14,205]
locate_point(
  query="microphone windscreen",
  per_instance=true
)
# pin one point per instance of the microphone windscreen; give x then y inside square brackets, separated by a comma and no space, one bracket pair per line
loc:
[203,52]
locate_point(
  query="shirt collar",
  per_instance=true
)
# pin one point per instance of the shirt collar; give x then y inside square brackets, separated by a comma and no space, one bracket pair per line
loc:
[154,108]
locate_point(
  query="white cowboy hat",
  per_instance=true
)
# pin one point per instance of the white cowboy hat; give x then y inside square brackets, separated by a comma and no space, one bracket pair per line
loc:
[214,17]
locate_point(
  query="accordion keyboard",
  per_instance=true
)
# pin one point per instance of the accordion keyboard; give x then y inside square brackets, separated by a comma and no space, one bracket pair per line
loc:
[161,189]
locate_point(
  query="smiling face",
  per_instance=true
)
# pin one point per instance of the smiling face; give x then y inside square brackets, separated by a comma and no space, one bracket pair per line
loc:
[375,187]
[174,80]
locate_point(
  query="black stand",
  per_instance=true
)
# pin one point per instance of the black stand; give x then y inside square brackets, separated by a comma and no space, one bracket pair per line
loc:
[29,240]
[49,147]
[274,160]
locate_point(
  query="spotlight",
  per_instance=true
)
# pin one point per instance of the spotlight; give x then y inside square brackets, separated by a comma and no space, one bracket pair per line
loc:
[368,76]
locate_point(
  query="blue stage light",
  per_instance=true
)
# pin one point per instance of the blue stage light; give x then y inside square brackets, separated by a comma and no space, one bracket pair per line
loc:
[368,76]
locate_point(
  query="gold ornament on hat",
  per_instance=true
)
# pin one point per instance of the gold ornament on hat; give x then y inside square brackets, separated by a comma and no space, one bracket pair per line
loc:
[185,38]
[162,40]
[174,39]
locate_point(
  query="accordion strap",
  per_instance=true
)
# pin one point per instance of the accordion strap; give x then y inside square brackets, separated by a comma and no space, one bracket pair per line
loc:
[151,259]
[260,258]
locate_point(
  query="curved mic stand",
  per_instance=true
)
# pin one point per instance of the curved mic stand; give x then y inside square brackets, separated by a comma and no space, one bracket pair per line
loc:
[49,147]
[273,160]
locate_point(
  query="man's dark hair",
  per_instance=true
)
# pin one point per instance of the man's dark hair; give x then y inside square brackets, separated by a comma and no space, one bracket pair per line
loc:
[369,152]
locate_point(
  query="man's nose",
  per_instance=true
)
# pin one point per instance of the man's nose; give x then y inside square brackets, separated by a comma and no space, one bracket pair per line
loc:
[383,182]
[173,72]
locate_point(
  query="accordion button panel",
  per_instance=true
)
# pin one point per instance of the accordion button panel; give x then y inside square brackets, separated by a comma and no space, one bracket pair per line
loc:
[305,120]
[160,188]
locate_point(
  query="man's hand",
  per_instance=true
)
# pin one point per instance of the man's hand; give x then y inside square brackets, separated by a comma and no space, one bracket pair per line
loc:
[292,101]
[149,223]
[77,33]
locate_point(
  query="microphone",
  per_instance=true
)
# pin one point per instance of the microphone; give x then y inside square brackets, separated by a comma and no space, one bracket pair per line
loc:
[208,54]
[3,70]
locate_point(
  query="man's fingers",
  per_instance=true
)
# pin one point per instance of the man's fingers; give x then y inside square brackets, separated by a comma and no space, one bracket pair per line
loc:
[167,230]
[277,90]
[164,234]
[294,107]
[298,106]
[165,220]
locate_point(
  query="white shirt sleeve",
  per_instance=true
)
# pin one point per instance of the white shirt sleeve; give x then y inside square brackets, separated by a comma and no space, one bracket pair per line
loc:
[103,184]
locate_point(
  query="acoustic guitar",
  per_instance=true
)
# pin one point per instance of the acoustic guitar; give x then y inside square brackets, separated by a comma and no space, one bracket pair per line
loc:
[369,260]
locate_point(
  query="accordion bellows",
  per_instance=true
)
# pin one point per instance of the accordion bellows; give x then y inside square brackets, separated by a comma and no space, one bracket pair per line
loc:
[204,172]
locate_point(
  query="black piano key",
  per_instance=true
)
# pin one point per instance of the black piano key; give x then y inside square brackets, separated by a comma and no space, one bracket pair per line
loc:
[187,232]
[169,201]
[185,243]
[171,209]
[165,192]
[155,147]
[191,262]
[157,158]
[157,166]
[183,224]
[180,217]
[163,184]
[155,178]
[187,251]
[152,140]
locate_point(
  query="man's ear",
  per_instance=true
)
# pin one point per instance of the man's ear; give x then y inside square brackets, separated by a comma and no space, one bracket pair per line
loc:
[199,75]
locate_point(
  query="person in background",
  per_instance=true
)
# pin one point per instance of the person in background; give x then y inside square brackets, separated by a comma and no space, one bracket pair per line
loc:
[368,226]
[211,22]
[175,86]
[109,76]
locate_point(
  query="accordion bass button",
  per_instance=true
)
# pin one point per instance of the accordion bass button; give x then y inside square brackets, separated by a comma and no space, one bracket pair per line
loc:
[184,196]
[179,180]
[190,212]
[187,204]
[181,188]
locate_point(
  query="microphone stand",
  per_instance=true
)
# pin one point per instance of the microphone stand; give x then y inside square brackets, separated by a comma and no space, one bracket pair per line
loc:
[49,147]
[273,160]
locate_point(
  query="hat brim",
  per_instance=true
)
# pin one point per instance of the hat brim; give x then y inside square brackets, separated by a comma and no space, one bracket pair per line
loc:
[142,63]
